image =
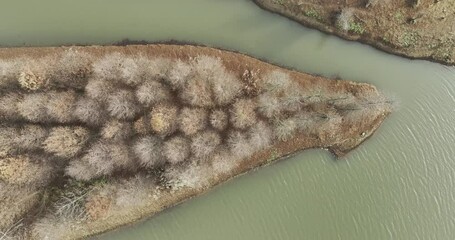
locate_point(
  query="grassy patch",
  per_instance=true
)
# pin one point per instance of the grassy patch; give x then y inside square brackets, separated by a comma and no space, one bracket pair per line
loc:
[278,2]
[399,16]
[313,14]
[385,40]
[409,39]
[356,28]
[274,155]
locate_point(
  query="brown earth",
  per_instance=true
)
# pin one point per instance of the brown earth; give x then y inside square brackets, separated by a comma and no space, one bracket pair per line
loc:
[349,137]
[421,29]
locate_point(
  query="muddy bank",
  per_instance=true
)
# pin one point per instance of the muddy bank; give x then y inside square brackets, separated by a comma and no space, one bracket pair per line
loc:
[207,115]
[412,29]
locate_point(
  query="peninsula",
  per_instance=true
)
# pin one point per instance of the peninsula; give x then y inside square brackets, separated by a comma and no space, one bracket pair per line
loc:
[94,138]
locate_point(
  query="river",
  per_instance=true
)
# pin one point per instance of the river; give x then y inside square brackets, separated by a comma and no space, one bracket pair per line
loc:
[397,185]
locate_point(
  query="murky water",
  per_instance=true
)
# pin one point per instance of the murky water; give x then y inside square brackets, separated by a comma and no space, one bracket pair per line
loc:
[398,185]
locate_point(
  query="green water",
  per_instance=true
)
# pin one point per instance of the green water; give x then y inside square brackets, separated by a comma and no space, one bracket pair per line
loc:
[397,185]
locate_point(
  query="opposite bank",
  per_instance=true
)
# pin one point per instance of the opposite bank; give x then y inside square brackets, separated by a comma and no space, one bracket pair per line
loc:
[420,29]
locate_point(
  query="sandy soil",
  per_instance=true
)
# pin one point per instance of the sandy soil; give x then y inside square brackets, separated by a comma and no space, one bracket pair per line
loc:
[423,29]
[351,136]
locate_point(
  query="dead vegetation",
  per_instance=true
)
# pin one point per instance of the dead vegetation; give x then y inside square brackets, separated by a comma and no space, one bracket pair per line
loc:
[131,127]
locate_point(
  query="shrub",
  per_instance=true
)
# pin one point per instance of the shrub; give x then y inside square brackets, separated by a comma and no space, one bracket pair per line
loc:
[89,111]
[81,170]
[10,196]
[103,158]
[219,119]
[223,161]
[121,157]
[21,170]
[226,87]
[213,83]
[250,80]
[239,145]
[12,169]
[9,72]
[134,192]
[285,129]
[122,105]
[66,141]
[157,68]
[294,99]
[179,74]
[33,107]
[163,119]
[109,67]
[192,120]
[60,106]
[189,176]
[98,203]
[117,130]
[31,137]
[73,68]
[260,135]
[52,227]
[152,92]
[176,149]
[142,126]
[14,231]
[269,105]
[207,67]
[148,150]
[69,203]
[204,143]
[8,136]
[276,82]
[8,106]
[130,71]
[197,92]
[310,122]
[99,89]
[33,76]
[344,19]
[280,94]
[243,113]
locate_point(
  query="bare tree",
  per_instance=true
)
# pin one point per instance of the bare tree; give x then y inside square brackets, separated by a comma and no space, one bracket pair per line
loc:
[176,149]
[66,141]
[149,151]
[152,92]
[204,143]
[122,105]
[192,120]
[344,19]
[243,113]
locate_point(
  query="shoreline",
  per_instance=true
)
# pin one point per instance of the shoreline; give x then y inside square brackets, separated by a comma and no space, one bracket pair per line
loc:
[327,29]
[350,137]
[171,42]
